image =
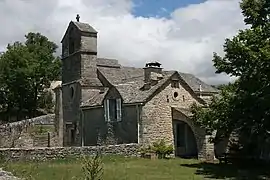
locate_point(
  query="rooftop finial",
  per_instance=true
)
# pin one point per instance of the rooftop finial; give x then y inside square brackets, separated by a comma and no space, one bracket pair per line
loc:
[78,18]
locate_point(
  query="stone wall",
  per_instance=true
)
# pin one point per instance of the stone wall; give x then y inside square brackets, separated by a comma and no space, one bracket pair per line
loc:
[157,118]
[26,133]
[41,154]
[157,113]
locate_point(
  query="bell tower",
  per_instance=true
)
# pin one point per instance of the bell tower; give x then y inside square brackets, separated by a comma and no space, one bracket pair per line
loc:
[79,54]
[79,72]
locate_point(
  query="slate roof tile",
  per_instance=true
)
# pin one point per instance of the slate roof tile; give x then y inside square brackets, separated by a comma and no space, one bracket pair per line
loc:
[93,97]
[195,82]
[84,27]
[129,81]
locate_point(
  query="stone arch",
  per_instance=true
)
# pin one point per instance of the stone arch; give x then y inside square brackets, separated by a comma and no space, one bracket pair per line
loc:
[179,114]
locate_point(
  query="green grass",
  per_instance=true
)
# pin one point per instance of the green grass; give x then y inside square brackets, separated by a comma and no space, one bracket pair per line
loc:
[120,168]
[115,168]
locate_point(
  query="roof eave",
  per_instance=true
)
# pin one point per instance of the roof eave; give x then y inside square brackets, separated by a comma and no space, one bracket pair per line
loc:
[85,107]
[66,31]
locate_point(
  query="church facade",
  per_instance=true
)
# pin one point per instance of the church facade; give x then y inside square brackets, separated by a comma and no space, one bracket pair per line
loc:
[102,102]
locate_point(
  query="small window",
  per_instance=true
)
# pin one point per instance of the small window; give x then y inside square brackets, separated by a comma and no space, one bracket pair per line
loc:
[175,84]
[72,136]
[71,46]
[71,92]
[175,94]
[113,110]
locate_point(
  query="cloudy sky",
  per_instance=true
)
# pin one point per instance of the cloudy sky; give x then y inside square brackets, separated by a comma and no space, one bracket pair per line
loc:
[181,34]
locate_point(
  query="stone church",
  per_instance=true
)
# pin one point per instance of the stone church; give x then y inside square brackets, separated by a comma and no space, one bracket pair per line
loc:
[102,102]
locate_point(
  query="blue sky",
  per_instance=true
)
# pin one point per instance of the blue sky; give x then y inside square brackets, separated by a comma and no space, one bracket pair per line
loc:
[160,8]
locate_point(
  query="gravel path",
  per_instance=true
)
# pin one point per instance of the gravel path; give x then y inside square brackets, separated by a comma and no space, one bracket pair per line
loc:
[7,175]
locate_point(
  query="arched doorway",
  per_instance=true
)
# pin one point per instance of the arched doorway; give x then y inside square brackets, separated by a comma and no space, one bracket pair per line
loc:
[190,140]
[184,140]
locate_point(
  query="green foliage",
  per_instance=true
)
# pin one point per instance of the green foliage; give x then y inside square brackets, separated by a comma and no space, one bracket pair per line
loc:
[92,167]
[26,70]
[218,114]
[117,168]
[160,148]
[30,171]
[247,55]
[45,101]
[245,104]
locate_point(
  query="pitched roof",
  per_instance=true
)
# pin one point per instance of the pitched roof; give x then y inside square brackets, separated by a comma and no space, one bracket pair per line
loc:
[131,90]
[195,83]
[104,62]
[129,81]
[121,75]
[93,97]
[84,27]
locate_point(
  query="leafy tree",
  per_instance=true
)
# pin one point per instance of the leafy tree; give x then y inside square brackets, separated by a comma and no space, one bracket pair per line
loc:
[245,104]
[26,70]
[218,114]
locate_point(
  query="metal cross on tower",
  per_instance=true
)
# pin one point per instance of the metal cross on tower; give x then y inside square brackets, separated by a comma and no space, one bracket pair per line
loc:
[78,18]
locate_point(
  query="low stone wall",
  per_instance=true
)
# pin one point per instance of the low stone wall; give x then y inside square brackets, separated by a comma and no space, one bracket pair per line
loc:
[21,134]
[45,119]
[41,154]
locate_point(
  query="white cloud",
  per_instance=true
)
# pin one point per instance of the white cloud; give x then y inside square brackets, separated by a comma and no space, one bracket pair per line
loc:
[185,42]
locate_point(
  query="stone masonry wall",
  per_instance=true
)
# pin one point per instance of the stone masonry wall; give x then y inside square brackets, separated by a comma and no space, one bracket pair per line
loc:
[40,154]
[157,114]
[29,133]
[157,118]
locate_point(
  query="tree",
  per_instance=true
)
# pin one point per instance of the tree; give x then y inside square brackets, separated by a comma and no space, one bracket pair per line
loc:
[218,114]
[247,56]
[26,69]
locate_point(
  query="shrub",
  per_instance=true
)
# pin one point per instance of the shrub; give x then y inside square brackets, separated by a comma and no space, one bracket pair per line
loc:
[161,149]
[92,167]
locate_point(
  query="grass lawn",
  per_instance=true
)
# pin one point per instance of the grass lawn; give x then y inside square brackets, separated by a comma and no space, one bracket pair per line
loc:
[120,168]
[115,168]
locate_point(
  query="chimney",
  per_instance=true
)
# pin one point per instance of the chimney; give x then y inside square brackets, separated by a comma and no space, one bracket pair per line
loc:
[152,73]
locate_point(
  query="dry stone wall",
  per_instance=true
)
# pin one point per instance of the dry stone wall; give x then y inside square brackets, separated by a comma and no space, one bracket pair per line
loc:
[29,133]
[43,153]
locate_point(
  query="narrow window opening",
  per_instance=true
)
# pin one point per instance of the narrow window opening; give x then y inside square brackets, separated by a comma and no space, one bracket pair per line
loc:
[72,92]
[175,84]
[113,110]
[71,46]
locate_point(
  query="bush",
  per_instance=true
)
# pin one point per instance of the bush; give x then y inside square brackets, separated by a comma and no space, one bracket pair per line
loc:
[159,148]
[92,167]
